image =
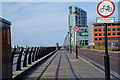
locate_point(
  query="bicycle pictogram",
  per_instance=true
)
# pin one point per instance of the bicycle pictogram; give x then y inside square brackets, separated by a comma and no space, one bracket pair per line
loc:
[106,8]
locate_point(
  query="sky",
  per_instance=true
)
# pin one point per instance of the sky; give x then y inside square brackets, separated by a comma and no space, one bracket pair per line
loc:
[44,23]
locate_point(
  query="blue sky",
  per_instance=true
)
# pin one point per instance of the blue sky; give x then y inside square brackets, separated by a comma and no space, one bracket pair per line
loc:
[43,23]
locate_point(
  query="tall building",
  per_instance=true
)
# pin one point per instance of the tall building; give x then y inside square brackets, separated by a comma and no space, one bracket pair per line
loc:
[78,17]
[113,33]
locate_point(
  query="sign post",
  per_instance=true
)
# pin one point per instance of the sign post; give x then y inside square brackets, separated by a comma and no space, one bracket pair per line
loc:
[105,9]
[76,29]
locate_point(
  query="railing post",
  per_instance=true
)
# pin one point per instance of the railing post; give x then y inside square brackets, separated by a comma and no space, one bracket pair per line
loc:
[36,54]
[13,54]
[25,58]
[33,56]
[39,53]
[29,58]
[18,67]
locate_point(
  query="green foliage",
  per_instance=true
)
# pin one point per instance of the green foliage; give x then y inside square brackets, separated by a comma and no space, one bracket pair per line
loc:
[113,48]
[101,48]
[88,47]
[83,47]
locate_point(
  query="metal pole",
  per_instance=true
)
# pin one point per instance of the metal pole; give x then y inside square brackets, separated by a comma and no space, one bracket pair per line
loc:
[106,56]
[76,46]
[70,40]
[76,37]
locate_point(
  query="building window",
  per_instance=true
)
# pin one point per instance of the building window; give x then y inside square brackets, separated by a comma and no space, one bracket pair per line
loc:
[114,38]
[100,34]
[118,29]
[109,34]
[96,38]
[70,10]
[108,29]
[104,34]
[100,29]
[75,9]
[95,30]
[95,34]
[85,30]
[114,29]
[114,33]
[100,38]
[118,33]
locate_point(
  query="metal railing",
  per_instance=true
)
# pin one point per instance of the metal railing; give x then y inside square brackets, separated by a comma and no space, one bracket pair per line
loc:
[22,57]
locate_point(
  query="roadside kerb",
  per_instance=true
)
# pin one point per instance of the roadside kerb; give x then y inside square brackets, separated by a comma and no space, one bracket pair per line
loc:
[114,74]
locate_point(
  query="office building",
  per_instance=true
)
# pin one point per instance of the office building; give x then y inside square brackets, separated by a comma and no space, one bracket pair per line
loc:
[113,33]
[78,17]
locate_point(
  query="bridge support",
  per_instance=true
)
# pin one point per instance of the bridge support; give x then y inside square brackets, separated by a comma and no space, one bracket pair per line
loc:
[5,50]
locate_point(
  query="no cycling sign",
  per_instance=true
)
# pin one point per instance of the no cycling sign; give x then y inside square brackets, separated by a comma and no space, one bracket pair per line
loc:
[105,8]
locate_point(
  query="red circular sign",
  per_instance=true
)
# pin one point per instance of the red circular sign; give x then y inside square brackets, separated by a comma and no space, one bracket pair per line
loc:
[105,8]
[76,28]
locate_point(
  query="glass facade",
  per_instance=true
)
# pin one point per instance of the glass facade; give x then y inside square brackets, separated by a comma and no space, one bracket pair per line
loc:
[78,17]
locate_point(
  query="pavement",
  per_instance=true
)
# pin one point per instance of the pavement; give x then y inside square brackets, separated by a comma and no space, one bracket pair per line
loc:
[97,57]
[64,65]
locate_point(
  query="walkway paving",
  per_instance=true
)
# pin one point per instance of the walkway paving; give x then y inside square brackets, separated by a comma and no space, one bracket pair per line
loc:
[64,65]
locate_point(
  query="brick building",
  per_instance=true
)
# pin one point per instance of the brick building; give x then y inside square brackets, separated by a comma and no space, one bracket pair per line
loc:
[113,33]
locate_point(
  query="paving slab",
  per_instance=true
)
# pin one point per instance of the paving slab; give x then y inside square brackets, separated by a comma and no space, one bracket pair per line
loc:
[65,66]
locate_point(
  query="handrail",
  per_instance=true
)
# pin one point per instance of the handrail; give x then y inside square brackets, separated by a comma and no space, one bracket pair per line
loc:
[25,56]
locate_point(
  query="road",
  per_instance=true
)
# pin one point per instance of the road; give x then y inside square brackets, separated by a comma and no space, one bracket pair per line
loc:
[98,57]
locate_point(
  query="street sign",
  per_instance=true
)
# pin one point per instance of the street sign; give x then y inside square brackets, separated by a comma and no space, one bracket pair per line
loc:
[105,8]
[76,28]
[105,20]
